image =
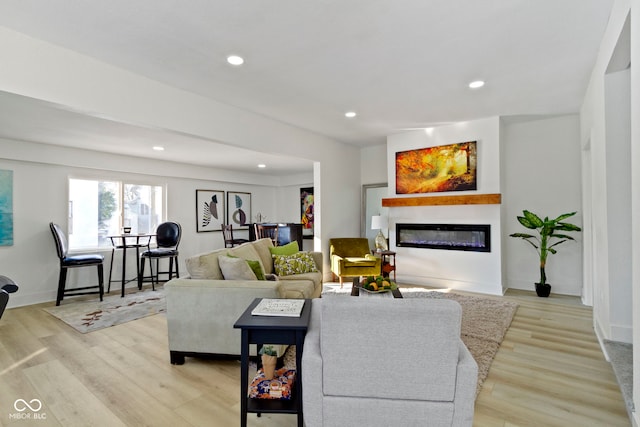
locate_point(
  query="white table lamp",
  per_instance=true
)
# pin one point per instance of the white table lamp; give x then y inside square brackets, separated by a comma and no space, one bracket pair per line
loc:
[379,222]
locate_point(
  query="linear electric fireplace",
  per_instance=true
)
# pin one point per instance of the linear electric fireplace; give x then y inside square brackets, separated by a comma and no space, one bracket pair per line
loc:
[456,237]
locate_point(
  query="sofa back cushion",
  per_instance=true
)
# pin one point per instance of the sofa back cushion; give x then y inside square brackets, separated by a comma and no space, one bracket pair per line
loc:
[349,247]
[205,266]
[390,348]
[262,246]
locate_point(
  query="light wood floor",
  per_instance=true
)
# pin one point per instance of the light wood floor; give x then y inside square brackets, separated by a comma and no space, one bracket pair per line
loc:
[549,371]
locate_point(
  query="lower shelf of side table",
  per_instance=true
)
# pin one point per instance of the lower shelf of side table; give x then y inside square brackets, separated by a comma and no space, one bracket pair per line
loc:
[267,406]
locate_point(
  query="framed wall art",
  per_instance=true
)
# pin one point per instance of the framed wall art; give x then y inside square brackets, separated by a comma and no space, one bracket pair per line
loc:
[209,210]
[306,212]
[6,208]
[434,169]
[238,209]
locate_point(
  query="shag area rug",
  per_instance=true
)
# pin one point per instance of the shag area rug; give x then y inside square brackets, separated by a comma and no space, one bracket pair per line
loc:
[484,323]
[92,314]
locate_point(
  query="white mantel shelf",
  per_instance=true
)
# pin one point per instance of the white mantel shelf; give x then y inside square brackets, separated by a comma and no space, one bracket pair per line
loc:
[468,199]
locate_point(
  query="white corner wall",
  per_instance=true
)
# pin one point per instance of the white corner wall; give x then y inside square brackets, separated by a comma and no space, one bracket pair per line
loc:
[542,174]
[594,138]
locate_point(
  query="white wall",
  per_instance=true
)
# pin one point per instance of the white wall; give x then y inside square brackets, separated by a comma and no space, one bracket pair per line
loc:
[40,196]
[618,202]
[604,172]
[542,174]
[593,118]
[44,71]
[482,272]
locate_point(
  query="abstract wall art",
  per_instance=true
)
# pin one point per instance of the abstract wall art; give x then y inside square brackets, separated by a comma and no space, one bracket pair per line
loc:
[306,211]
[6,208]
[209,210]
[238,210]
[435,169]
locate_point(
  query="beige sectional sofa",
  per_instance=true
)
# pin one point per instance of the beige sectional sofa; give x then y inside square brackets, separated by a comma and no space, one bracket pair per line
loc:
[202,307]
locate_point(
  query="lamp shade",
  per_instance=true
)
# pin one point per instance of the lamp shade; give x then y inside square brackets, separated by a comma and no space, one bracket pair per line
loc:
[379,222]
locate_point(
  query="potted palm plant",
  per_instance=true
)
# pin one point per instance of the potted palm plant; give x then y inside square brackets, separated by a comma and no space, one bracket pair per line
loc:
[550,233]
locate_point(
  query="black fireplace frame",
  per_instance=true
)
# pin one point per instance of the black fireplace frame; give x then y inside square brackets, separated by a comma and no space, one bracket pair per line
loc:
[486,228]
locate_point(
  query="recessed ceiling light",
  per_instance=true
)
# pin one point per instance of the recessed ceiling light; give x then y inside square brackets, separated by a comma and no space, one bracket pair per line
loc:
[235,60]
[476,84]
[158,148]
[350,114]
[262,165]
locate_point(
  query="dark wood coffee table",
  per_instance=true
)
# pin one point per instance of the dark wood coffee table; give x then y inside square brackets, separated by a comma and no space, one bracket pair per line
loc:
[355,289]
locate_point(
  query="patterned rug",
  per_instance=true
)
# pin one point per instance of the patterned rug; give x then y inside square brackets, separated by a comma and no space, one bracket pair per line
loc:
[88,315]
[484,323]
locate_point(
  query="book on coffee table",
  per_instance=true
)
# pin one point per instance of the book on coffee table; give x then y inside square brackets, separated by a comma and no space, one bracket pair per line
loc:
[278,307]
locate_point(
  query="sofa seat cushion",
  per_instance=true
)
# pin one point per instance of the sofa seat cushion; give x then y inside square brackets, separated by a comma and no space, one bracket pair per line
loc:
[296,289]
[359,262]
[315,278]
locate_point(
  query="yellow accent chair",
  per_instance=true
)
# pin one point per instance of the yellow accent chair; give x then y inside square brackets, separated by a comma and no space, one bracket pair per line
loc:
[351,257]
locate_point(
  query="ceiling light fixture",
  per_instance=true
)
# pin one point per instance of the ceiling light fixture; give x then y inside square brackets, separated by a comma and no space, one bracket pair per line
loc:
[350,114]
[262,165]
[235,60]
[476,84]
[158,148]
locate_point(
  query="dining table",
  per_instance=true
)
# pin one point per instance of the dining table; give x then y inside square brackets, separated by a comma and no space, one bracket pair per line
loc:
[122,242]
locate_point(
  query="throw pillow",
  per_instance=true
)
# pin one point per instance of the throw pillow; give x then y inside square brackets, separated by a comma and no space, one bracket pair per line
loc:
[288,249]
[235,268]
[256,267]
[299,263]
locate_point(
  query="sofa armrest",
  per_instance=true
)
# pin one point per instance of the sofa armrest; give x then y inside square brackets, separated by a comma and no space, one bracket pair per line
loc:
[317,257]
[336,263]
[312,369]
[201,313]
[466,386]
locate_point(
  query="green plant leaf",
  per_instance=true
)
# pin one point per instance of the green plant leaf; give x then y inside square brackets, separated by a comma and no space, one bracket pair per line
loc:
[565,226]
[533,218]
[523,235]
[564,216]
[524,221]
[562,236]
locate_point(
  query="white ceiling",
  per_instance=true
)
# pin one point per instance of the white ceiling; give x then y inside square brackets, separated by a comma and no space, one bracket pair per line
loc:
[400,64]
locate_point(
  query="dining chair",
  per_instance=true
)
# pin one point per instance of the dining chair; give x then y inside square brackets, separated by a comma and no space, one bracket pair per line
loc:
[168,237]
[227,234]
[7,286]
[267,230]
[74,261]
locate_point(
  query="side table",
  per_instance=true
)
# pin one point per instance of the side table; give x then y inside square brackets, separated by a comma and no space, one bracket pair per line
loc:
[274,330]
[388,264]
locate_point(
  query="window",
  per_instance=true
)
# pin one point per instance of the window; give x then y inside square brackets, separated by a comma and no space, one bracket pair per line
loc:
[98,209]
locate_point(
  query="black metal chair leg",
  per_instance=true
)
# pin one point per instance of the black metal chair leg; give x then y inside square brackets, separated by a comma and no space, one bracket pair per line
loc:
[61,284]
[141,273]
[101,280]
[113,251]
